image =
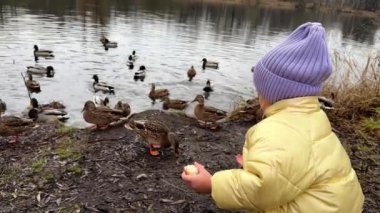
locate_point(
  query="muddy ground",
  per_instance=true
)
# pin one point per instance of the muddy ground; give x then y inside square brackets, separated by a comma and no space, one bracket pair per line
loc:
[60,169]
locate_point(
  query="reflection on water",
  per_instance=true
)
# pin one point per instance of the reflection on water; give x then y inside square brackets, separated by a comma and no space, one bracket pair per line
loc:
[169,37]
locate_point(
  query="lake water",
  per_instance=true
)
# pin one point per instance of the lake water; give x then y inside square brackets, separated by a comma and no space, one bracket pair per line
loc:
[169,37]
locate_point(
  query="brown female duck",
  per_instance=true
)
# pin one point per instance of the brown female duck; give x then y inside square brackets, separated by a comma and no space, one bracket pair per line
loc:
[101,117]
[191,73]
[12,125]
[157,93]
[173,104]
[32,85]
[156,134]
[122,108]
[206,114]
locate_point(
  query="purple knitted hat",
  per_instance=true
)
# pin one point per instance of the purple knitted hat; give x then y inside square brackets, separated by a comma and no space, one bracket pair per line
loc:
[295,68]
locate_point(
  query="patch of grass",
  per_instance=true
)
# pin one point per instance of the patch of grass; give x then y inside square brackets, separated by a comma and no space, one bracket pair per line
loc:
[74,169]
[68,149]
[8,174]
[64,130]
[48,176]
[371,124]
[38,165]
[356,87]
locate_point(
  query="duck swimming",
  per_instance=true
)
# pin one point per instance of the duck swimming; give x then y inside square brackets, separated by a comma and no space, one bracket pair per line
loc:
[191,73]
[173,104]
[32,85]
[107,43]
[156,134]
[134,56]
[102,86]
[42,53]
[209,64]
[140,74]
[99,102]
[157,93]
[208,87]
[130,65]
[40,70]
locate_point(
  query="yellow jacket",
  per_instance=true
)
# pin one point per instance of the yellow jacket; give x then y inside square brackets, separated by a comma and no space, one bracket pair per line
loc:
[293,162]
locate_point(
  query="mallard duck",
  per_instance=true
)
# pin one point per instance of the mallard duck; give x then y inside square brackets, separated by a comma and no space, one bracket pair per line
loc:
[12,125]
[102,86]
[42,53]
[206,114]
[40,70]
[47,112]
[32,85]
[191,73]
[140,74]
[134,56]
[157,93]
[99,102]
[156,134]
[248,110]
[107,43]
[173,104]
[101,117]
[123,107]
[208,87]
[210,64]
[130,65]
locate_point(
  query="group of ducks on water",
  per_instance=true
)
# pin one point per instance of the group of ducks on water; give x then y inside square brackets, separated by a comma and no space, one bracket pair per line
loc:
[99,113]
[102,116]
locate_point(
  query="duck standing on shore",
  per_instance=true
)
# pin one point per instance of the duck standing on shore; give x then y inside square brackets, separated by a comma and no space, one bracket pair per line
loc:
[99,116]
[156,134]
[207,114]
[12,125]
[50,112]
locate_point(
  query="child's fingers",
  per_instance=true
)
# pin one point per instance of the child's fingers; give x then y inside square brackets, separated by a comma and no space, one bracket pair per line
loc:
[186,178]
[199,166]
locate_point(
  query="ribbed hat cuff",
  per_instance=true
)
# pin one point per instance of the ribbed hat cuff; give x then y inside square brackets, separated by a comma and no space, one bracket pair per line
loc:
[275,88]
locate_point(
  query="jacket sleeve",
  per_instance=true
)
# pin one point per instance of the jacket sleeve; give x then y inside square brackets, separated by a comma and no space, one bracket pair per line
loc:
[260,185]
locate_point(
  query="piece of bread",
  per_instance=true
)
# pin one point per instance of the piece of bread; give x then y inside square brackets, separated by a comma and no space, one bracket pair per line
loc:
[191,170]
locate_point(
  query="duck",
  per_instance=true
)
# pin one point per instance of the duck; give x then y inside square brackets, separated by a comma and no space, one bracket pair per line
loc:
[248,110]
[134,56]
[130,65]
[210,64]
[156,134]
[53,111]
[42,53]
[32,85]
[208,89]
[40,70]
[140,74]
[99,116]
[3,107]
[191,73]
[13,125]
[173,103]
[107,43]
[123,107]
[99,102]
[205,114]
[102,86]
[326,103]
[157,93]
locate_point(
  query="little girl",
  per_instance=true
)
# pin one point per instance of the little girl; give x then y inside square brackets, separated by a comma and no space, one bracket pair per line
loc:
[292,161]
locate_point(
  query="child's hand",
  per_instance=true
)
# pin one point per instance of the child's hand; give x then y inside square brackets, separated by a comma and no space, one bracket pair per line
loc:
[201,182]
[239,159]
